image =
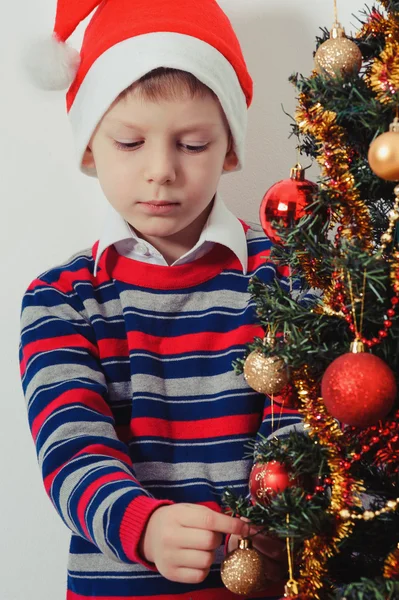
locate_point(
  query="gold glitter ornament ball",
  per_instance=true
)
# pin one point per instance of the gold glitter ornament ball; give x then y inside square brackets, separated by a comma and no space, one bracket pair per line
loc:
[243,570]
[383,153]
[338,55]
[266,375]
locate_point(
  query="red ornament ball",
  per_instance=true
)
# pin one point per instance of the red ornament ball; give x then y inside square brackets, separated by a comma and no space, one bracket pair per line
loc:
[358,389]
[286,202]
[288,397]
[269,479]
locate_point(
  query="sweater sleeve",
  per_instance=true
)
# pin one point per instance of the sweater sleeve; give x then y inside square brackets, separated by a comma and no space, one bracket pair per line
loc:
[87,471]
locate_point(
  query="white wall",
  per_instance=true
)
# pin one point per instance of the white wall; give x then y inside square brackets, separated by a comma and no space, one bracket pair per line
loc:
[49,210]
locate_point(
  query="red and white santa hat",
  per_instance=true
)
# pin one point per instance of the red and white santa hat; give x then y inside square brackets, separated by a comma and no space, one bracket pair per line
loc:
[126,39]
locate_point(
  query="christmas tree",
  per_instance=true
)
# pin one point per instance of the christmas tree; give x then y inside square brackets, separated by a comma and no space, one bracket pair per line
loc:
[331,490]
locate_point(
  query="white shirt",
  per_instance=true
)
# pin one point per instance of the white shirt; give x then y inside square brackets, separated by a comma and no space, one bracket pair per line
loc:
[221,227]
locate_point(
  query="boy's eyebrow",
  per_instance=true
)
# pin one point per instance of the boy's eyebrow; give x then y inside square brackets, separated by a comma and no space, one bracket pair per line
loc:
[189,128]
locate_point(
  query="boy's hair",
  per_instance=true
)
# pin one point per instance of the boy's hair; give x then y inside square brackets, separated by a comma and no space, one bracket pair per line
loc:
[167,84]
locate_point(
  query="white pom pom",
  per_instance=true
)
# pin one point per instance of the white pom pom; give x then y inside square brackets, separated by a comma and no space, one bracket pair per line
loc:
[51,64]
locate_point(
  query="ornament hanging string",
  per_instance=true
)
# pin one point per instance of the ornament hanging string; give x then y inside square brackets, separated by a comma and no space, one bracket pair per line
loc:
[335,12]
[358,331]
[270,340]
[291,587]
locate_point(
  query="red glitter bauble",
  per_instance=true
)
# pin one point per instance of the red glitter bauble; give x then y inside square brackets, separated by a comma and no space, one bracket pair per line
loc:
[358,389]
[288,397]
[269,479]
[286,202]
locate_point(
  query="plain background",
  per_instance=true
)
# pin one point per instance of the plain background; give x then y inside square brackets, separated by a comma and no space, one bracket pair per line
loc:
[49,210]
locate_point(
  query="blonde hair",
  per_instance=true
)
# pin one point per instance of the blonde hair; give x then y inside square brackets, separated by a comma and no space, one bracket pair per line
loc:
[167,84]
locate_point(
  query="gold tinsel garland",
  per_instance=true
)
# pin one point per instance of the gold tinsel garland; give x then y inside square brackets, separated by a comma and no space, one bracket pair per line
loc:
[345,491]
[383,74]
[391,566]
[335,159]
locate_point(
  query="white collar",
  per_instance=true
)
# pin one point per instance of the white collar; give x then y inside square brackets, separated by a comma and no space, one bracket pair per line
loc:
[222,227]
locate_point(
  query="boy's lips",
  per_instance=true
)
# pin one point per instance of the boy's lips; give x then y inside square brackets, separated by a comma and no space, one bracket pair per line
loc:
[158,206]
[160,202]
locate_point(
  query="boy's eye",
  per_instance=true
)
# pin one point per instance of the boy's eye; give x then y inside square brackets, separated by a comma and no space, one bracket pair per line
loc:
[133,145]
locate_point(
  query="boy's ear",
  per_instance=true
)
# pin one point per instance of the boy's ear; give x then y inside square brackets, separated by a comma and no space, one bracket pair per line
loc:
[231,160]
[88,158]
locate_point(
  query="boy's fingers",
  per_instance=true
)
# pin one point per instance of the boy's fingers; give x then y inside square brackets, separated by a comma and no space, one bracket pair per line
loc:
[208,519]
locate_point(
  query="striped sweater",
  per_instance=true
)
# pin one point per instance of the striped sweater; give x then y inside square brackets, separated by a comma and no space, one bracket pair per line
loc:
[133,403]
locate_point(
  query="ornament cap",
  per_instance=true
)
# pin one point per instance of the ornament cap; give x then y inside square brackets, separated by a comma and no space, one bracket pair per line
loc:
[297,172]
[357,346]
[269,339]
[337,31]
[291,588]
[394,126]
[245,544]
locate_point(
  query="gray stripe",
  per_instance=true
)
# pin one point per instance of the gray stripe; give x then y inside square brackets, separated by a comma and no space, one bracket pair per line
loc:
[31,314]
[119,391]
[176,302]
[110,308]
[214,472]
[284,431]
[213,384]
[73,429]
[94,563]
[99,562]
[62,372]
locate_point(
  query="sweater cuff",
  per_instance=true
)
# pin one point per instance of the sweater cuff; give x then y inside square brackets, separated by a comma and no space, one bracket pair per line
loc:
[133,524]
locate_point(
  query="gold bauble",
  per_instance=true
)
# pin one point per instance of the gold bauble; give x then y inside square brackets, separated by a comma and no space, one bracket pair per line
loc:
[338,55]
[383,153]
[266,375]
[243,570]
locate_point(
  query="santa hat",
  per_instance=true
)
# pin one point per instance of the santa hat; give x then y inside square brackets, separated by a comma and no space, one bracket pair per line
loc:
[127,39]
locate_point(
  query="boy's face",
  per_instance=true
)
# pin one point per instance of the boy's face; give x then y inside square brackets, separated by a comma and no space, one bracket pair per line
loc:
[142,154]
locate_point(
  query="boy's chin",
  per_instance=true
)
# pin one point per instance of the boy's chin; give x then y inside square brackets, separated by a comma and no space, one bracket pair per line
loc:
[157,231]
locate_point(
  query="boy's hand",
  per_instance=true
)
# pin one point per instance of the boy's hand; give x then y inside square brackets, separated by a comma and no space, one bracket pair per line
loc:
[274,551]
[181,540]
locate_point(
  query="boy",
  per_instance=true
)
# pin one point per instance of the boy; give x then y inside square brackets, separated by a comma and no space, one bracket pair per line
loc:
[138,419]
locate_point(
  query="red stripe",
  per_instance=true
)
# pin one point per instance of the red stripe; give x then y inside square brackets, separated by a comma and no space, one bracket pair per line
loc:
[283,270]
[169,278]
[91,490]
[55,343]
[203,341]
[67,279]
[206,428]
[256,260]
[80,396]
[110,347]
[277,409]
[97,449]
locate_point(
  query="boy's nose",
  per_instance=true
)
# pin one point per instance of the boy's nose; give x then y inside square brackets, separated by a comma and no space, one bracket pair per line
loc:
[161,168]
